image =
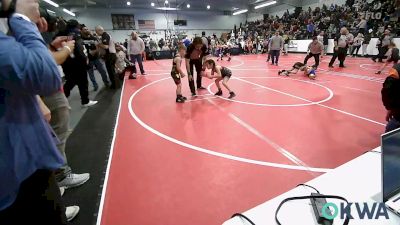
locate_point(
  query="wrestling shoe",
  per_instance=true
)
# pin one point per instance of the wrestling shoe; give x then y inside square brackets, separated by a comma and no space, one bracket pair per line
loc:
[219,93]
[184,98]
[229,59]
[180,100]
[231,95]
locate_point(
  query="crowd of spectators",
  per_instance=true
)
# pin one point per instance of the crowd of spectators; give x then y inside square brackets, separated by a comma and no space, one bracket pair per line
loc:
[357,16]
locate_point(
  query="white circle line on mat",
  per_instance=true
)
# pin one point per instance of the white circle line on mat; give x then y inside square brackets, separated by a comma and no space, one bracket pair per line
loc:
[209,151]
[280,105]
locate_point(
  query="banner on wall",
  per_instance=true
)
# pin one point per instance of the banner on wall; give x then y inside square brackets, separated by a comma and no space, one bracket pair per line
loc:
[146,24]
[123,21]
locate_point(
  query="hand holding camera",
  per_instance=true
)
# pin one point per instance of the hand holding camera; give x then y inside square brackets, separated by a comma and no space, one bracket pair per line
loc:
[59,42]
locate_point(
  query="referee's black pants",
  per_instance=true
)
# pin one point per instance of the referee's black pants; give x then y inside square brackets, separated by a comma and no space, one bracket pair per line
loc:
[341,54]
[316,58]
[197,64]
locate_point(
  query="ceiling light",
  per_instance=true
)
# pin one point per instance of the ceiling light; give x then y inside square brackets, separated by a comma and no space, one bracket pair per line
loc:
[50,11]
[167,8]
[208,6]
[265,4]
[128,3]
[51,3]
[152,4]
[240,12]
[166,2]
[188,6]
[69,12]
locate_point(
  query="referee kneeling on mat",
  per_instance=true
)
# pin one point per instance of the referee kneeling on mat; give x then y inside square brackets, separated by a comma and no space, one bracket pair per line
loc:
[194,57]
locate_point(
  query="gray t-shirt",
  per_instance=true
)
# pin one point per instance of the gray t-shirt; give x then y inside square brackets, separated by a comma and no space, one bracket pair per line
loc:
[276,43]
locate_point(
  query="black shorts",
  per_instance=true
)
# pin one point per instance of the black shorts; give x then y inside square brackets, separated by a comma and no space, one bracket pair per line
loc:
[226,73]
[176,77]
[298,65]
[395,60]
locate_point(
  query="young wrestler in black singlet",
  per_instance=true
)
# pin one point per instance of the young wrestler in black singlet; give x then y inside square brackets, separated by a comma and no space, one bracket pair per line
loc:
[220,73]
[177,73]
[308,70]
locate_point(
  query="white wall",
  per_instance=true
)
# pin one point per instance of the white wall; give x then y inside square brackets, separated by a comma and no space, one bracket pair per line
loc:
[211,22]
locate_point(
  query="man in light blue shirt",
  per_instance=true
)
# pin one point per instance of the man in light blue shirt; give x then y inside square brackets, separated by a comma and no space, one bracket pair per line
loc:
[28,154]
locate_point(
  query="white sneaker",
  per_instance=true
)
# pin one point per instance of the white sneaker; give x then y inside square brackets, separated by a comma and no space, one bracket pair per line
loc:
[62,190]
[90,103]
[74,180]
[71,212]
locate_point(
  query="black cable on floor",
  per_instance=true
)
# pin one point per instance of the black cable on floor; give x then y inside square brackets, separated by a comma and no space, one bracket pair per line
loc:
[244,217]
[305,185]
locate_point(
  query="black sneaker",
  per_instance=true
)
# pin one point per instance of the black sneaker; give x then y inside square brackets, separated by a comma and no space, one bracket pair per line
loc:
[229,59]
[180,100]
[379,72]
[183,97]
[131,77]
[193,94]
[231,95]
[219,93]
[279,72]
[330,66]
[201,88]
[373,59]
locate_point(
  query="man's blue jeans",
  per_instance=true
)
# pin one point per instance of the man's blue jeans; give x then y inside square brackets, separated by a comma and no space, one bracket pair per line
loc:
[100,67]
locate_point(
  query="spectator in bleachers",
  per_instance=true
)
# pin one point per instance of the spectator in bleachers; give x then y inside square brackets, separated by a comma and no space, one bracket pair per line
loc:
[362,25]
